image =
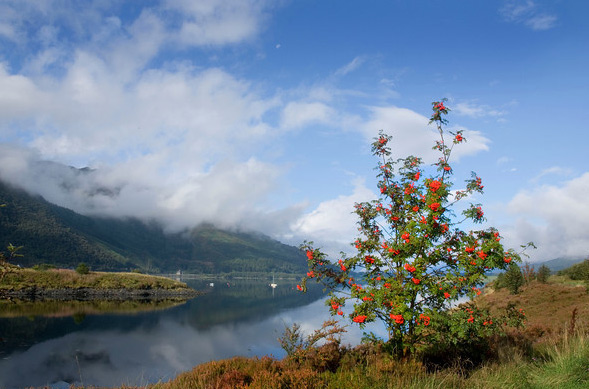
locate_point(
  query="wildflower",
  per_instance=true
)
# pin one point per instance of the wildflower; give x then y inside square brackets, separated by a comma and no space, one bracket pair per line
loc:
[416,281]
[300,288]
[458,138]
[309,255]
[434,206]
[446,295]
[359,319]
[416,177]
[310,274]
[369,259]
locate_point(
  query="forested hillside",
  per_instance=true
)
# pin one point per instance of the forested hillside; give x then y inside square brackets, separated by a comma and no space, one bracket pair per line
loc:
[55,235]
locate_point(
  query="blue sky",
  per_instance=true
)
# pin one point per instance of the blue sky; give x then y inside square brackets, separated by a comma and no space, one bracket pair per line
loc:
[259,114]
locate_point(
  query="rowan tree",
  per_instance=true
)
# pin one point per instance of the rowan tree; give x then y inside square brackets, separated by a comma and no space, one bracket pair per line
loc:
[413,259]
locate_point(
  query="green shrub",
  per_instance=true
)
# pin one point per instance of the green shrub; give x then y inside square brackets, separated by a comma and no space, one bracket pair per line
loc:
[543,274]
[579,271]
[82,269]
[514,278]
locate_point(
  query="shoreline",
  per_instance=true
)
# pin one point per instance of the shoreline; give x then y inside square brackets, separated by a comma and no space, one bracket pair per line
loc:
[88,294]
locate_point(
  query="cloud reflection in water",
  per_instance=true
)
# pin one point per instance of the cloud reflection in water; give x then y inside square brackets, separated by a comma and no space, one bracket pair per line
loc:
[152,353]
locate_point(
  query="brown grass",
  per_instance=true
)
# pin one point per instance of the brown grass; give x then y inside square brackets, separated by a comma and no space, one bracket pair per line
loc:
[549,307]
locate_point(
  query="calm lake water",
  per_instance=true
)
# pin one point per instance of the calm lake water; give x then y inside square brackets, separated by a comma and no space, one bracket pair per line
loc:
[109,345]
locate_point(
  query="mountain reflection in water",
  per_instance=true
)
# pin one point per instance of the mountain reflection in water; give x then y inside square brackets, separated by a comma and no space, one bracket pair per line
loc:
[244,318]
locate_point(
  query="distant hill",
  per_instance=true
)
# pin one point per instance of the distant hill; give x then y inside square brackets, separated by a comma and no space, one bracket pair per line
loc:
[55,235]
[555,265]
[560,263]
[578,271]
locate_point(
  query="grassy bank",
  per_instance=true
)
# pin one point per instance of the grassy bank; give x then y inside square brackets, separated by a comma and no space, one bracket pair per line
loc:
[13,278]
[551,352]
[560,364]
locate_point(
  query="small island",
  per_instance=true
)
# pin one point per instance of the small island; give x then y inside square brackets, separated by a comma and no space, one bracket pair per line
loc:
[66,284]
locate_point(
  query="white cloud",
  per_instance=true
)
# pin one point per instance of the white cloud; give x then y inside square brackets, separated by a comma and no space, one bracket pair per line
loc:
[554,170]
[503,160]
[516,9]
[412,135]
[350,67]
[555,218]
[332,224]
[476,110]
[541,22]
[299,114]
[216,22]
[528,13]
[20,96]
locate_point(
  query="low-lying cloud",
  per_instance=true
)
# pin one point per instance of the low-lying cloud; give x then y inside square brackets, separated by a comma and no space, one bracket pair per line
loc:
[555,218]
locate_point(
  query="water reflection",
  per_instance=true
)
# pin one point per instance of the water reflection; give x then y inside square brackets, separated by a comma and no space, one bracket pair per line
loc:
[54,308]
[243,318]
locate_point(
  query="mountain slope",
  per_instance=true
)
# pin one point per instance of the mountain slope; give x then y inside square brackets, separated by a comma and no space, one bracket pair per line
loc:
[559,263]
[56,235]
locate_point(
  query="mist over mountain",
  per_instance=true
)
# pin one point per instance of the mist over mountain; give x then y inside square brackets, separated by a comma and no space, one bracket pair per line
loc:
[56,235]
[227,195]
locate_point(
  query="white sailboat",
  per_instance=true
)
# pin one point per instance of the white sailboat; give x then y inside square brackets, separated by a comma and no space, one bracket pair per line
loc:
[273,284]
